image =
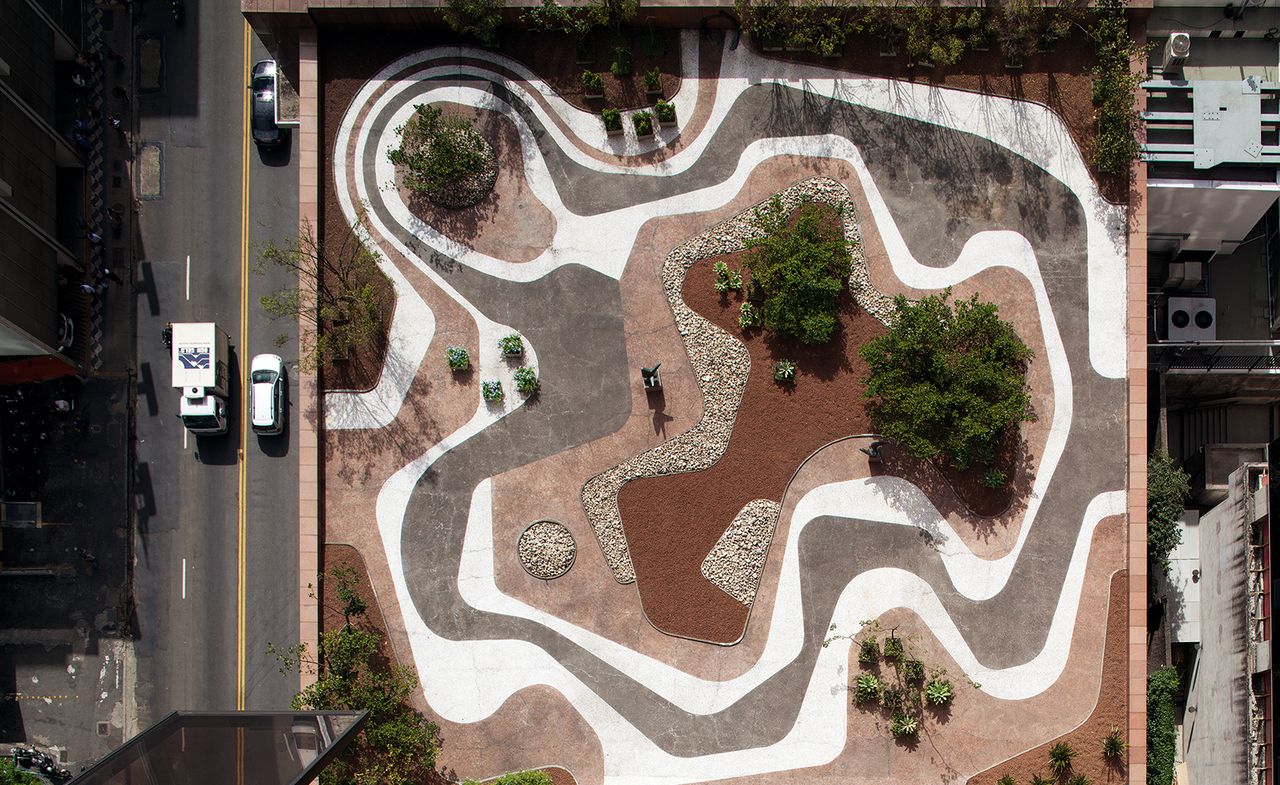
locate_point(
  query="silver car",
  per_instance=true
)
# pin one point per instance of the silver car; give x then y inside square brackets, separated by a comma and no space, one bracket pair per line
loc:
[266,394]
[262,115]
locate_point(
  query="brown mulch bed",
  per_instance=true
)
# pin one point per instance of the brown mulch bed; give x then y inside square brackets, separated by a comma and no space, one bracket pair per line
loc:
[1111,711]
[347,557]
[777,427]
[1059,79]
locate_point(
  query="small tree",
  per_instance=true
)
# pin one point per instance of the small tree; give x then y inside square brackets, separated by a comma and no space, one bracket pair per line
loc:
[335,292]
[801,268]
[397,745]
[479,18]
[576,21]
[947,382]
[1168,489]
[444,158]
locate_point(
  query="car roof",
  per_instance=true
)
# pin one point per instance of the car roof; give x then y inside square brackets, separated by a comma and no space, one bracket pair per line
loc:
[262,404]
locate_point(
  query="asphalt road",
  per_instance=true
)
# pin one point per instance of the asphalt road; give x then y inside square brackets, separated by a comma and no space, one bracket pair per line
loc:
[192,622]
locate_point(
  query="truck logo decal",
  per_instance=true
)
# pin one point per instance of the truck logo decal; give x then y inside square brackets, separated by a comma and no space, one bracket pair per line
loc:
[194,357]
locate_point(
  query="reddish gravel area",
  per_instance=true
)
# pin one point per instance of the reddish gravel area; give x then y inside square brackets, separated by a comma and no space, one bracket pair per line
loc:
[672,522]
[1111,711]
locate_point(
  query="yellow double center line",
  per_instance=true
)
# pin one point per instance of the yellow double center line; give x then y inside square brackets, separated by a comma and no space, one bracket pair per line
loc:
[244,393]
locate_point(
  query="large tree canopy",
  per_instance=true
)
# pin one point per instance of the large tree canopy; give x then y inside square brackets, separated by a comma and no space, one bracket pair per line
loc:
[948,379]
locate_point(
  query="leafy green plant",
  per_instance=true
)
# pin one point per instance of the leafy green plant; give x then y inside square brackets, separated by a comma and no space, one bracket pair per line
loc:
[1168,489]
[894,650]
[748,316]
[526,380]
[1036,779]
[894,698]
[592,83]
[643,122]
[1080,779]
[801,267]
[1114,82]
[913,671]
[1005,779]
[491,390]
[653,80]
[479,18]
[665,110]
[727,280]
[1060,757]
[1114,745]
[531,777]
[459,359]
[905,725]
[621,65]
[612,118]
[576,21]
[869,650]
[867,688]
[994,478]
[784,371]
[439,154]
[1162,736]
[511,344]
[938,692]
[948,381]
[12,775]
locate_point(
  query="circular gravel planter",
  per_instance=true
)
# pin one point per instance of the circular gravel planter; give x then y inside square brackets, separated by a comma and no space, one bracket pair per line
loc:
[546,549]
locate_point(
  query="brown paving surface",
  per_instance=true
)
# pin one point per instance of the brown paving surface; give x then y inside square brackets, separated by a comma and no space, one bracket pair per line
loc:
[510,223]
[979,731]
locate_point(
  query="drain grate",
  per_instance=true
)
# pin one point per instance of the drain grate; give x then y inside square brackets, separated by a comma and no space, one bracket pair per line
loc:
[103,729]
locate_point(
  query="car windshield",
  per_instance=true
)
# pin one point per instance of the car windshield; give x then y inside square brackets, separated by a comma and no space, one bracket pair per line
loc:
[264,376]
[200,421]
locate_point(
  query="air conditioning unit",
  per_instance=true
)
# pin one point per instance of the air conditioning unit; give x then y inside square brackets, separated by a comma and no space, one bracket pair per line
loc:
[1176,51]
[1184,275]
[1193,319]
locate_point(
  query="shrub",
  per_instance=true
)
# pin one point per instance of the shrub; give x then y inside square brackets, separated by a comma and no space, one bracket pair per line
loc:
[905,726]
[938,692]
[727,280]
[1080,779]
[748,316]
[994,478]
[1162,737]
[869,650]
[801,268]
[12,775]
[784,371]
[511,344]
[947,381]
[1060,757]
[1116,145]
[444,158]
[894,651]
[459,359]
[1113,746]
[894,698]
[643,121]
[592,83]
[491,390]
[1168,489]
[574,21]
[913,671]
[653,79]
[621,65]
[612,118]
[1005,780]
[867,688]
[1036,779]
[526,380]
[479,18]
[533,777]
[665,110]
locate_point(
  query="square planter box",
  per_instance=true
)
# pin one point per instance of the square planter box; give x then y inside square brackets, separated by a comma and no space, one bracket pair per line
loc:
[668,123]
[613,131]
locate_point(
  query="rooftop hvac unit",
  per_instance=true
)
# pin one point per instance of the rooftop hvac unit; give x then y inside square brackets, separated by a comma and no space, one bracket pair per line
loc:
[1193,319]
[1176,51]
[1184,275]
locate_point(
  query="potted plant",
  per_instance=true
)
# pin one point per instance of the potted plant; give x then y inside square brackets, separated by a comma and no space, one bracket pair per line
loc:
[653,81]
[784,371]
[458,358]
[592,85]
[643,121]
[666,112]
[491,390]
[527,380]
[511,345]
[612,120]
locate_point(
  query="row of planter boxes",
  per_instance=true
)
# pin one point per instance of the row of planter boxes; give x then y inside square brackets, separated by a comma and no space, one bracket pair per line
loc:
[664,113]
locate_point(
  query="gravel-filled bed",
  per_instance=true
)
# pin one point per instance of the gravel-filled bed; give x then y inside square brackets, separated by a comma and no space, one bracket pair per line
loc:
[546,549]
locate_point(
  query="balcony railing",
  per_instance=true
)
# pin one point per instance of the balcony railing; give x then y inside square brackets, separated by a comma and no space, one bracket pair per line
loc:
[1217,356]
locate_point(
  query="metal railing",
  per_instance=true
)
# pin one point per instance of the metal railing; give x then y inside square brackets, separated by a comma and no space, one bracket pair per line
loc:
[1220,356]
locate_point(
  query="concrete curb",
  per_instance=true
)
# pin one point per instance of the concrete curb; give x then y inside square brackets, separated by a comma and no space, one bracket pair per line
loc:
[309,420]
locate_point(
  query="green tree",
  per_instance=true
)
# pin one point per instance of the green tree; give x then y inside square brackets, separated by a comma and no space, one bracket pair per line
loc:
[576,21]
[801,267]
[335,292]
[948,382]
[12,775]
[479,18]
[444,158]
[1114,83]
[1168,489]
[1162,735]
[397,745]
